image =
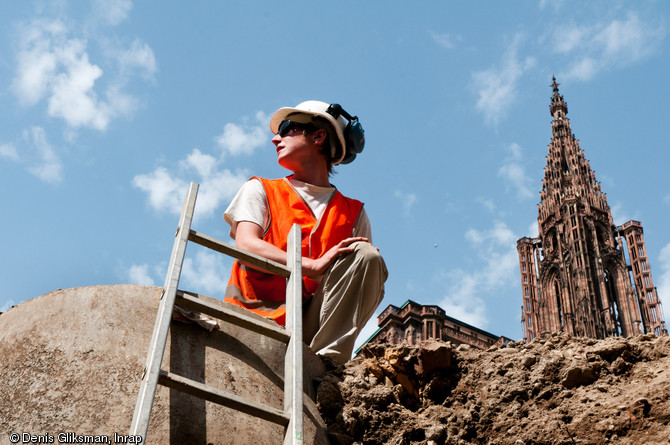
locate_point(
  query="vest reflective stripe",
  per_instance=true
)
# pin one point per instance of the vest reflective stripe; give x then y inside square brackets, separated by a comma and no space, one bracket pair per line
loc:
[265,294]
[244,285]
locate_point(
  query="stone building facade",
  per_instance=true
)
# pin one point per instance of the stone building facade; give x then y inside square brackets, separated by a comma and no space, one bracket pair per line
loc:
[412,323]
[583,275]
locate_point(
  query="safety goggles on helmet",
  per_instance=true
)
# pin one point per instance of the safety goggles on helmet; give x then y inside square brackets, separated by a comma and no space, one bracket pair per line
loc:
[286,126]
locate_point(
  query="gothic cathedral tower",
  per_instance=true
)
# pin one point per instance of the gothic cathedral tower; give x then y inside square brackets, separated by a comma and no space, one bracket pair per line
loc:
[575,277]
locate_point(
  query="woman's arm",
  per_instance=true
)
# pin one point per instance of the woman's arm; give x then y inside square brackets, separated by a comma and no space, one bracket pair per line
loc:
[249,237]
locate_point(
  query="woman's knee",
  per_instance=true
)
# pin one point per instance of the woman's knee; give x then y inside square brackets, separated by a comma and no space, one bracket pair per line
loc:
[368,254]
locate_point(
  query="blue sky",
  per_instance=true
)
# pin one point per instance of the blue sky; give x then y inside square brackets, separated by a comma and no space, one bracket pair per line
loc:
[109,109]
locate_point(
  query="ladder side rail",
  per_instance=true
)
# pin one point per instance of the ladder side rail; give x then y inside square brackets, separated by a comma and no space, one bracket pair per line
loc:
[145,398]
[242,255]
[190,300]
[223,398]
[293,362]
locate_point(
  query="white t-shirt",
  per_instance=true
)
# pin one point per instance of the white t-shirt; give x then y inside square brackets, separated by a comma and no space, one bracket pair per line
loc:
[251,204]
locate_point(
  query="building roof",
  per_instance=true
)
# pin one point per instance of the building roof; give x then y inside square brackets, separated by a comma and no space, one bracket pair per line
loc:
[446,317]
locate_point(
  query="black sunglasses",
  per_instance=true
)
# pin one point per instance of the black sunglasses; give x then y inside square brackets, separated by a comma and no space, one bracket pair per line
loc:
[286,126]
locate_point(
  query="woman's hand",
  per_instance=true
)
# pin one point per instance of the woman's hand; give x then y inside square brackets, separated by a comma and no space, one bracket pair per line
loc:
[317,267]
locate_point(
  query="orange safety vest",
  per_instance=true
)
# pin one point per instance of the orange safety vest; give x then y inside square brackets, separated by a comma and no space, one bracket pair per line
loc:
[264,293]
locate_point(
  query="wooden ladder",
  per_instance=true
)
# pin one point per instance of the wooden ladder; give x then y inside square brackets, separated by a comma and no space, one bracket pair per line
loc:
[292,415]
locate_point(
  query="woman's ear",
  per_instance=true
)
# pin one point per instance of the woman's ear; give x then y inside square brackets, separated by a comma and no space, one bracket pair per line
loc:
[319,136]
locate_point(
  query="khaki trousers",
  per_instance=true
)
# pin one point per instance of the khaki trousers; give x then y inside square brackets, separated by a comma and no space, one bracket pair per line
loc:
[346,299]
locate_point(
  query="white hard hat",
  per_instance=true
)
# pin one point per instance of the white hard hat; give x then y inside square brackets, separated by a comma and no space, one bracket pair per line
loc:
[337,118]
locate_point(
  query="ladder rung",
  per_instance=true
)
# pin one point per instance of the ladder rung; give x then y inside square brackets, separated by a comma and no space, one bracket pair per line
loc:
[191,301]
[221,397]
[230,250]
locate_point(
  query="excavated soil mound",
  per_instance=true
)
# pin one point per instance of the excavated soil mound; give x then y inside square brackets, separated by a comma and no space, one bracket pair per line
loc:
[555,390]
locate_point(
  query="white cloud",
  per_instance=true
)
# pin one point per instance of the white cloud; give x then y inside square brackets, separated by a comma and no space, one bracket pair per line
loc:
[72,96]
[367,331]
[45,164]
[204,272]
[8,151]
[627,38]
[568,39]
[37,61]
[488,204]
[554,4]
[139,56]
[608,181]
[218,188]
[514,173]
[207,273]
[263,119]
[202,163]
[243,139]
[663,286]
[465,289]
[53,64]
[584,69]
[7,306]
[408,200]
[619,213]
[497,86]
[166,189]
[533,230]
[603,46]
[38,156]
[445,40]
[112,12]
[498,235]
[464,305]
[139,274]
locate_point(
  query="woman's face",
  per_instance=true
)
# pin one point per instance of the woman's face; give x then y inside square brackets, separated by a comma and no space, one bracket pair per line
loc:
[296,147]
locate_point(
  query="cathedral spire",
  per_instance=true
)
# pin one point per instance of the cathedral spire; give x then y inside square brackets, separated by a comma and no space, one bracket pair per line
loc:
[558,107]
[574,275]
